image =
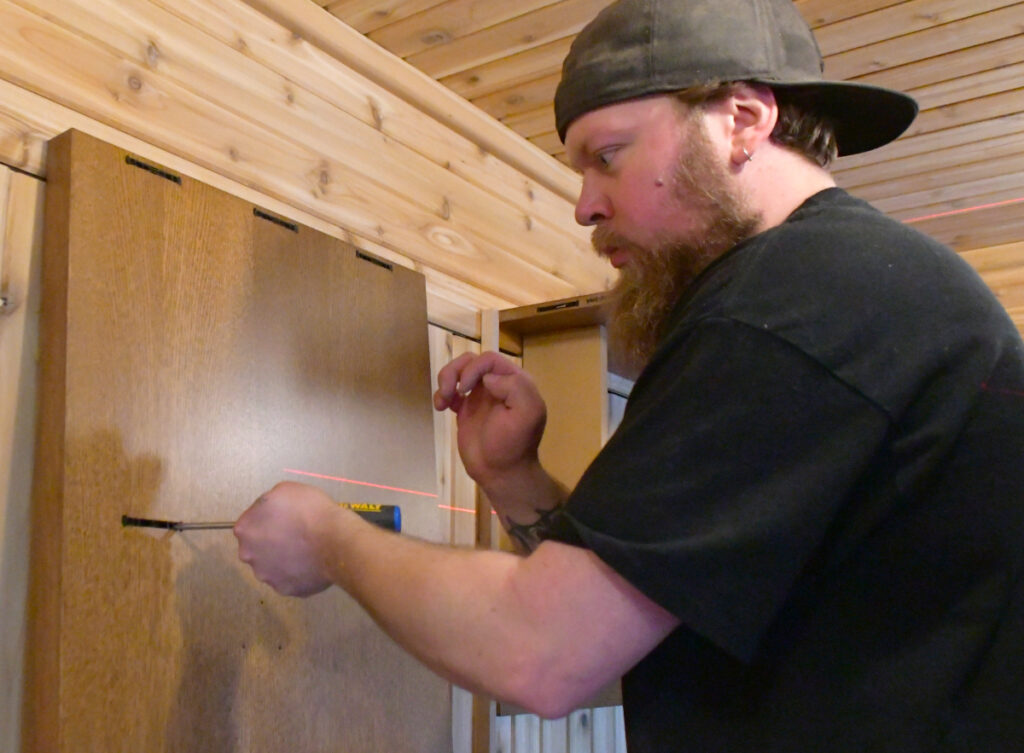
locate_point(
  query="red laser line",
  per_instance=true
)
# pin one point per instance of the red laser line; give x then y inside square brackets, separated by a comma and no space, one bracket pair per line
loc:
[461,509]
[965,210]
[360,483]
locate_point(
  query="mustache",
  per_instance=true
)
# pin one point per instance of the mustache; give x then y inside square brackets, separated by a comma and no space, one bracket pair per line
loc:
[604,240]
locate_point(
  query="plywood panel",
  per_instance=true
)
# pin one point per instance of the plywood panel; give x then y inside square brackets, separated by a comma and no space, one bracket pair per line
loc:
[196,354]
[570,368]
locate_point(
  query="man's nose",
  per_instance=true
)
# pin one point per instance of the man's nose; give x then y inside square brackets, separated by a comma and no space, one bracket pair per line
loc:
[592,205]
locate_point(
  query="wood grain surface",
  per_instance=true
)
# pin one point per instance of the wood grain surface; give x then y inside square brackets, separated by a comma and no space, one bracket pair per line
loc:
[196,353]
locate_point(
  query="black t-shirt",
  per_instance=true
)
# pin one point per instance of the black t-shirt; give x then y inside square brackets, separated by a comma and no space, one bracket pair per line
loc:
[821,473]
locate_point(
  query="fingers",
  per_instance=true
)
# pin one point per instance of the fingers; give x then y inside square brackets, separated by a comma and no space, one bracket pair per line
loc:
[447,395]
[464,374]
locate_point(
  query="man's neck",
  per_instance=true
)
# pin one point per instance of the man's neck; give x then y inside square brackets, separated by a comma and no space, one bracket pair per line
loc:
[779,180]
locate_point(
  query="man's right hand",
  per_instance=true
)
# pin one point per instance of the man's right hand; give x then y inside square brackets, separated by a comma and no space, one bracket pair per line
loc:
[500,415]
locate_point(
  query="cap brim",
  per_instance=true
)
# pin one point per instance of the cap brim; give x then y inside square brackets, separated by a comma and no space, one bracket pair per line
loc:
[864,117]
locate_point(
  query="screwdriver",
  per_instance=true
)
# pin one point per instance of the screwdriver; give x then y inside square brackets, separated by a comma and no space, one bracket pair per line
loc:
[385,516]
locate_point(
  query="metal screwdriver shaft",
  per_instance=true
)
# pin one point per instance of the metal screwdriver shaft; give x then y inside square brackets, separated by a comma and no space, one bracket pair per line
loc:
[173,525]
[386,516]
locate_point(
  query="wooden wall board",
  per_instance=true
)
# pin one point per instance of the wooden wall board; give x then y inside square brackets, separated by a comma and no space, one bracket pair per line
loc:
[76,69]
[233,90]
[194,352]
[21,213]
[352,49]
[28,121]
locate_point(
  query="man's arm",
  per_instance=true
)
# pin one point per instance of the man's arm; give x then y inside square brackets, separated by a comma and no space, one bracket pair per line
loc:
[501,419]
[545,631]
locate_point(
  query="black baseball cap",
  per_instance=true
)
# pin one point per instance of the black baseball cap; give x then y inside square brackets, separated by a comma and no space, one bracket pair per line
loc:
[635,48]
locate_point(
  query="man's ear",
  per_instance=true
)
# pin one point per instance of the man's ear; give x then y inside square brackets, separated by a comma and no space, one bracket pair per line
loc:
[754,114]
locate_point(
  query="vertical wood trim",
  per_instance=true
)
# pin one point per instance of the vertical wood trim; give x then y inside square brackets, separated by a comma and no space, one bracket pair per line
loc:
[488,529]
[41,718]
[21,233]
[484,722]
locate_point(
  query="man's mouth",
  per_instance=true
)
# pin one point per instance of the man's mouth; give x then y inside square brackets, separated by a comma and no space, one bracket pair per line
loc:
[617,256]
[615,249]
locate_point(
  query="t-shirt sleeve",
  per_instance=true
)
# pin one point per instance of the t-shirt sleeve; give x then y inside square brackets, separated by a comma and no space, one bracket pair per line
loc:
[733,458]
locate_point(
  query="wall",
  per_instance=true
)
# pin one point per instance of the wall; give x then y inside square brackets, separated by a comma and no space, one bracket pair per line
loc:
[219,91]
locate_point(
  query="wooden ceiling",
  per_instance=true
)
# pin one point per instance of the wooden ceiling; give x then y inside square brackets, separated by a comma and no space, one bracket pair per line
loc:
[958,173]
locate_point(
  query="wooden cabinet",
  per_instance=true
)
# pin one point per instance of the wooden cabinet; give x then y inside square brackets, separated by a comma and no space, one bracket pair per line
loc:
[195,350]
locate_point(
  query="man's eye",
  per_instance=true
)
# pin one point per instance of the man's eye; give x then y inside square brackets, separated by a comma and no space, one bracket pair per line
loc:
[605,157]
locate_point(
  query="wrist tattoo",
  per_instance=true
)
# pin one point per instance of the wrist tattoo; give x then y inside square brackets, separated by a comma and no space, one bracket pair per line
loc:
[529,536]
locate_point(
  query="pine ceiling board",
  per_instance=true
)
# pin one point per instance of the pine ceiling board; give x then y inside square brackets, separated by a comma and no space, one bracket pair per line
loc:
[955,156]
[978,229]
[448,21]
[1009,184]
[523,98]
[972,86]
[367,15]
[962,211]
[995,258]
[1007,278]
[989,227]
[1011,163]
[521,33]
[961,208]
[549,142]
[891,52]
[931,142]
[933,71]
[970,111]
[519,68]
[907,17]
[533,122]
[821,12]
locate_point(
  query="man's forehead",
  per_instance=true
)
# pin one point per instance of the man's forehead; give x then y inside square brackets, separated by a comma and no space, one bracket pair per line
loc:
[620,119]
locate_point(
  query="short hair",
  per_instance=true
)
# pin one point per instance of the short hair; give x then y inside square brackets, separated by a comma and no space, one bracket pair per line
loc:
[798,128]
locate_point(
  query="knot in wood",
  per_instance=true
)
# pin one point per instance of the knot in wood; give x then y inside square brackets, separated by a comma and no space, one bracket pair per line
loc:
[436,36]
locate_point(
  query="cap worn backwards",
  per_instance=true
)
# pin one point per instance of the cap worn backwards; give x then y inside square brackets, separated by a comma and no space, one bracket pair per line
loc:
[635,48]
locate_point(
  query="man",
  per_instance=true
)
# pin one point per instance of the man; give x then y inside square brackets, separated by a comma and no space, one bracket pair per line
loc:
[808,532]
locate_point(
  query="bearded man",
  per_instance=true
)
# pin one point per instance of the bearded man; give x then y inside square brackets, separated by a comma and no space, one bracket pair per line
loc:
[807,533]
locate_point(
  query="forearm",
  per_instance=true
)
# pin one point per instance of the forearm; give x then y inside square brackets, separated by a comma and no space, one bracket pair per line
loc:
[448,607]
[543,631]
[527,503]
